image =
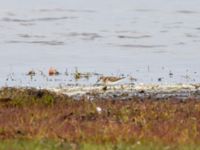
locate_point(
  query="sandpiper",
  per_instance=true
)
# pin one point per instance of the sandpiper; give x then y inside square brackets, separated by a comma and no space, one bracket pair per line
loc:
[109,79]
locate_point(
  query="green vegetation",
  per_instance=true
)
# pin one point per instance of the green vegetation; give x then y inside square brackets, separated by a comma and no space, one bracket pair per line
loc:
[57,145]
[79,75]
[39,119]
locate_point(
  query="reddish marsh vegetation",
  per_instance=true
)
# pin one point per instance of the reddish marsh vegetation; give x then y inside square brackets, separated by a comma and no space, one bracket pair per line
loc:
[33,114]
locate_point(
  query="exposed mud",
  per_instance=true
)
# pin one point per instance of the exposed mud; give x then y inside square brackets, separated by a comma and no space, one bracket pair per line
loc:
[159,92]
[115,92]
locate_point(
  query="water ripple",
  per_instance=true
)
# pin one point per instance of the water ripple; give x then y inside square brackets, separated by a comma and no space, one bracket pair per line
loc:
[6,19]
[83,36]
[186,12]
[52,43]
[141,46]
[31,36]
[133,37]
[67,10]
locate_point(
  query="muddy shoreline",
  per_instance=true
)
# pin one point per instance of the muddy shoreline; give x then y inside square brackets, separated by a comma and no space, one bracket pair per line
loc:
[155,91]
[115,92]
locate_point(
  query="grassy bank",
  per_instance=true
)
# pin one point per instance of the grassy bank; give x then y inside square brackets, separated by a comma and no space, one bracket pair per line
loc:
[55,145]
[39,119]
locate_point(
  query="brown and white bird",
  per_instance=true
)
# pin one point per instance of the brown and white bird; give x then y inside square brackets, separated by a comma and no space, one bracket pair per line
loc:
[109,79]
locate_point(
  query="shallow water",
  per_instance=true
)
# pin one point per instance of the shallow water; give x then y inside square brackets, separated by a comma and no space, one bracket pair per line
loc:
[144,39]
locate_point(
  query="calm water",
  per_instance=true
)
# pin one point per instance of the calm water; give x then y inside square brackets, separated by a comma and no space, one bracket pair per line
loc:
[146,39]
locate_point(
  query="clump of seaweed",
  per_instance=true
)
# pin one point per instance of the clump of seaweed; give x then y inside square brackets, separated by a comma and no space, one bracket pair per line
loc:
[31,73]
[79,75]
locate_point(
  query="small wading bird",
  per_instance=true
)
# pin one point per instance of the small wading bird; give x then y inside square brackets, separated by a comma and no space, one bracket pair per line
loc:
[109,80]
[53,71]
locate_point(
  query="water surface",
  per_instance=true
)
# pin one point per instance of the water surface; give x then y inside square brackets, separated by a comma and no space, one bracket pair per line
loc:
[144,39]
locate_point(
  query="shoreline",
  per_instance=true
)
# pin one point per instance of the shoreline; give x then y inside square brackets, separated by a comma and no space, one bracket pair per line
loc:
[131,90]
[123,91]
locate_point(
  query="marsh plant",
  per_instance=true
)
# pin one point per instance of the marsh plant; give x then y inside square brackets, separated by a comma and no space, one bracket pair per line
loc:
[34,115]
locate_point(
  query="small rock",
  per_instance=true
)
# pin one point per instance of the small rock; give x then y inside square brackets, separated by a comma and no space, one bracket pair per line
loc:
[171,74]
[99,109]
[132,79]
[160,79]
[138,142]
[104,88]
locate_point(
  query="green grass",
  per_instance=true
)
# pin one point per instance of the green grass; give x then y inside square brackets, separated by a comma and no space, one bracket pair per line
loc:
[58,145]
[33,119]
